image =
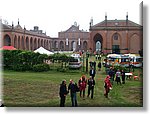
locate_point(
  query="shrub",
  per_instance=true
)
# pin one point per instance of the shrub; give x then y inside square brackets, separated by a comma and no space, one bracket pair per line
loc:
[41,67]
[22,67]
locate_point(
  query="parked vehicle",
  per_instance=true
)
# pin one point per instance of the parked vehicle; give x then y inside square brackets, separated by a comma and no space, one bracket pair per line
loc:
[75,63]
[124,60]
[135,59]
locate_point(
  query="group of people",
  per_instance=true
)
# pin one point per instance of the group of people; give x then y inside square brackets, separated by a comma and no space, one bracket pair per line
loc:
[83,82]
[111,77]
[73,88]
[118,76]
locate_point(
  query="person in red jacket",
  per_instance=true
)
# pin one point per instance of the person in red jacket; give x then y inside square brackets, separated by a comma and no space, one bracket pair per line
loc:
[107,86]
[82,85]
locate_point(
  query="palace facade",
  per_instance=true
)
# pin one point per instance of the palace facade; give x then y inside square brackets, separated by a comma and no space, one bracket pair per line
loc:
[24,39]
[108,36]
[116,36]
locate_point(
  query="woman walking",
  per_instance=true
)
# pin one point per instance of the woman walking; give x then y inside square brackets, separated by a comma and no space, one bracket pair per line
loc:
[107,86]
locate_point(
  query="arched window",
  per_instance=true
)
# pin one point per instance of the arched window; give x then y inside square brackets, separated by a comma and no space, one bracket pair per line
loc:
[7,40]
[115,37]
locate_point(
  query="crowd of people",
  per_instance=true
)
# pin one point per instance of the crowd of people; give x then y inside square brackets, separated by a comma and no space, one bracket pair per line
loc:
[73,88]
[89,83]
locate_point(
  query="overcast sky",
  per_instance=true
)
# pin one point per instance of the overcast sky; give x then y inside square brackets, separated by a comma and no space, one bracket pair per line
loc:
[54,16]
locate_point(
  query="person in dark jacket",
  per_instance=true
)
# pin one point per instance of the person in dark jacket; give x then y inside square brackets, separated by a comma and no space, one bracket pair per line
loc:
[94,65]
[111,73]
[62,93]
[91,84]
[123,76]
[73,89]
[99,66]
[92,72]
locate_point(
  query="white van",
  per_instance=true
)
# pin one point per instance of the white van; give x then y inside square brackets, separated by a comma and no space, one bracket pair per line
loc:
[135,59]
[75,63]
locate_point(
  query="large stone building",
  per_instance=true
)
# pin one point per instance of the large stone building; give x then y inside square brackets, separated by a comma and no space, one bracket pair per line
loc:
[24,39]
[108,36]
[116,36]
[72,39]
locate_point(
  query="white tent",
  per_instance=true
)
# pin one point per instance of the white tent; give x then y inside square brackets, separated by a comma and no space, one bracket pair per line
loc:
[41,50]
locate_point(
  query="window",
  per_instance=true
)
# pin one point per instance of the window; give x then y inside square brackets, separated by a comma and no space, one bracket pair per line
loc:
[116,36]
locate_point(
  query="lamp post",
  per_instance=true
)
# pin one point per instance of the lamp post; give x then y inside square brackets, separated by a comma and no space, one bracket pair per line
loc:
[83,63]
[87,61]
[133,65]
[129,64]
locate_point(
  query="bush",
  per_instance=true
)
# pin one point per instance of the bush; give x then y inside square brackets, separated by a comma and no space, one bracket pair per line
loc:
[22,67]
[41,67]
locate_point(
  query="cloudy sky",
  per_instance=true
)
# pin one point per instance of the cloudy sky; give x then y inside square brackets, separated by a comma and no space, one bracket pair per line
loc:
[54,16]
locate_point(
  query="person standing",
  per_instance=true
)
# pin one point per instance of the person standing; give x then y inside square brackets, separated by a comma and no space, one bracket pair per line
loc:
[92,72]
[91,84]
[111,74]
[99,66]
[94,65]
[123,76]
[82,85]
[118,75]
[72,88]
[107,86]
[62,93]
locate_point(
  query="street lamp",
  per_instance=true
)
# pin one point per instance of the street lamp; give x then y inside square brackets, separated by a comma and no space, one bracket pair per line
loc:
[87,54]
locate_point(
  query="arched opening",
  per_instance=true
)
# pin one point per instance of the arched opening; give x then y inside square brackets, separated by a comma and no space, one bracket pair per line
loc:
[79,46]
[134,44]
[42,44]
[27,43]
[15,41]
[85,46]
[56,46]
[39,43]
[35,44]
[98,46]
[22,43]
[7,40]
[50,45]
[98,41]
[31,44]
[73,46]
[67,46]
[61,45]
[45,46]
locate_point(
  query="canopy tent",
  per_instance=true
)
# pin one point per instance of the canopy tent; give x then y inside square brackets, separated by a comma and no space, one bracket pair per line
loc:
[8,48]
[41,50]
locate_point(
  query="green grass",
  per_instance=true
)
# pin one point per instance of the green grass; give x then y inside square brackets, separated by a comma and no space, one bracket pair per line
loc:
[42,89]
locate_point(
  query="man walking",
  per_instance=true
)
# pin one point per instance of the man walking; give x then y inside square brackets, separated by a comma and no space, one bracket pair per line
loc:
[72,88]
[92,72]
[91,84]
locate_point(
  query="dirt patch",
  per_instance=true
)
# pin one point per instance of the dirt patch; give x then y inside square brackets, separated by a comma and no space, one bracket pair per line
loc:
[134,95]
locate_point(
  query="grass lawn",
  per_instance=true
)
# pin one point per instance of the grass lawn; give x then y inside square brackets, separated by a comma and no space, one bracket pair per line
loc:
[42,89]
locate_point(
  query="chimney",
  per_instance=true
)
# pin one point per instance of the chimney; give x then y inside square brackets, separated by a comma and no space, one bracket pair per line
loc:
[127,18]
[105,19]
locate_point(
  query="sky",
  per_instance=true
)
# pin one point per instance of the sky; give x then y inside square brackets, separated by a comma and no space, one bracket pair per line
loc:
[53,16]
